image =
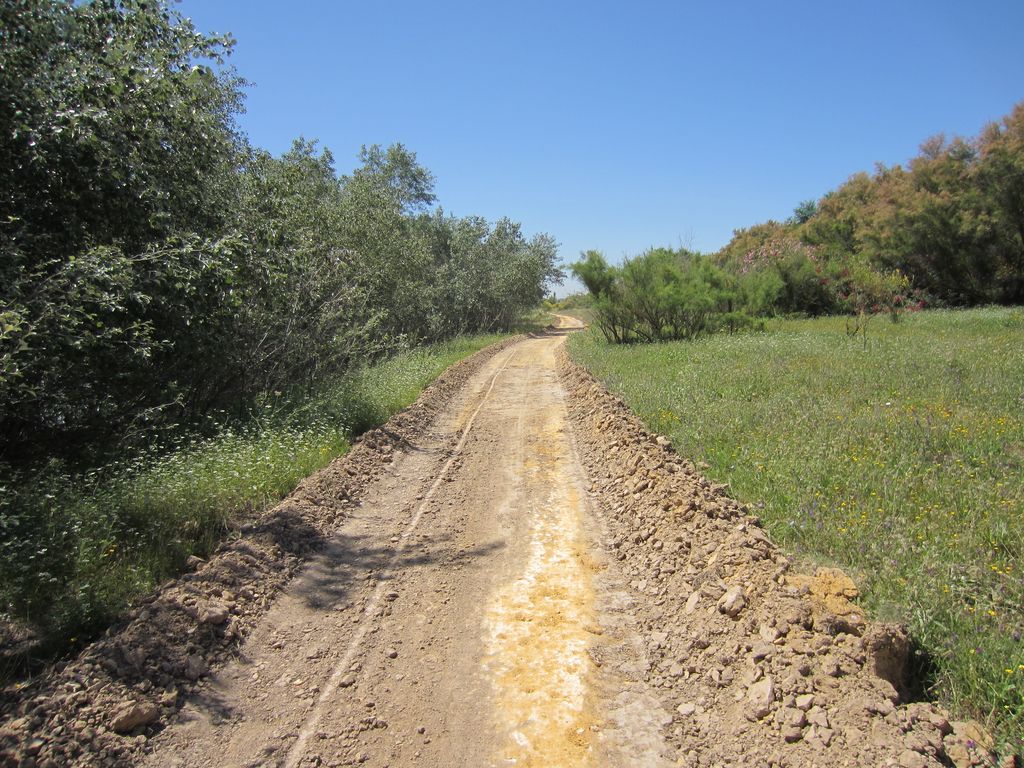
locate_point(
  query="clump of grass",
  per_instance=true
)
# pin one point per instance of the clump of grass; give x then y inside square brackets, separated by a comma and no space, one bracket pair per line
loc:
[901,461]
[76,548]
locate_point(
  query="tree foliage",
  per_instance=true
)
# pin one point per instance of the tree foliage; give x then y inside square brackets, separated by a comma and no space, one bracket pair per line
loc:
[657,296]
[951,221]
[156,270]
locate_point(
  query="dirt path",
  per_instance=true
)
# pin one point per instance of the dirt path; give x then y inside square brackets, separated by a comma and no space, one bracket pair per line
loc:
[459,617]
[513,571]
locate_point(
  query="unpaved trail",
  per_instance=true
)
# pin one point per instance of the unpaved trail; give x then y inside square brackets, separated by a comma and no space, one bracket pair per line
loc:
[511,572]
[463,615]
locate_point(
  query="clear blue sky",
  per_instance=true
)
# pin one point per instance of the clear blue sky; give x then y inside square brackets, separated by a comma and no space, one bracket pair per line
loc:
[623,125]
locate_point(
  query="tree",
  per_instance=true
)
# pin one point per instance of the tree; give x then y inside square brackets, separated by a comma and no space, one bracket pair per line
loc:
[804,212]
[1000,173]
[119,147]
[114,128]
[155,268]
[396,173]
[594,272]
[657,296]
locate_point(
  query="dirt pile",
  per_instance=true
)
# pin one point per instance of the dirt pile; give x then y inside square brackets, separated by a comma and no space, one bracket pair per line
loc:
[101,707]
[759,666]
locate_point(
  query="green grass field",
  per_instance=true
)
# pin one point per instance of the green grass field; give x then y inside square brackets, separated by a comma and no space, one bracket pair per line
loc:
[75,549]
[900,461]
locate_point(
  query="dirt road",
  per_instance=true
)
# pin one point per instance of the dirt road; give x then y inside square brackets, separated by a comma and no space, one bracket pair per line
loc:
[513,571]
[461,616]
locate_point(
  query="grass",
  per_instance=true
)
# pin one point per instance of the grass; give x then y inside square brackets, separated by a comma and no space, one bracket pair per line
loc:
[901,462]
[75,550]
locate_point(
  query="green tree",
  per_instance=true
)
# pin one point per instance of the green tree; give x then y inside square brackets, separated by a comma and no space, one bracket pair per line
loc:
[1000,173]
[119,144]
[594,272]
[804,212]
[660,295]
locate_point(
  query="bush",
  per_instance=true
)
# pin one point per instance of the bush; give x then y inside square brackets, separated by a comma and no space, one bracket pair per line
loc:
[658,296]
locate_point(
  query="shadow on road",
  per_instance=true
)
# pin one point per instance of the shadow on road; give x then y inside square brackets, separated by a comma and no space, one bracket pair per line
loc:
[331,579]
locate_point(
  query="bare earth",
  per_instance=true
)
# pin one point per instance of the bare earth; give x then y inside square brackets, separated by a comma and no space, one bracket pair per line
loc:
[517,575]
[452,619]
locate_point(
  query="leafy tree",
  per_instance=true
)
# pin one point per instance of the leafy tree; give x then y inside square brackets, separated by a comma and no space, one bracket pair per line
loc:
[837,225]
[594,272]
[156,269]
[657,296]
[395,173]
[804,212]
[737,252]
[1000,174]
[785,275]
[113,126]
[865,292]
[120,144]
[487,276]
[305,314]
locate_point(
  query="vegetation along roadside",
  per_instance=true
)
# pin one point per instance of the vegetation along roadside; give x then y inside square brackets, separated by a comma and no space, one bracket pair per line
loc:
[78,547]
[900,461]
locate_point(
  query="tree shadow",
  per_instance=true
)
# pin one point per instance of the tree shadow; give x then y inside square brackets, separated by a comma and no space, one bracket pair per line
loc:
[331,578]
[551,331]
[328,579]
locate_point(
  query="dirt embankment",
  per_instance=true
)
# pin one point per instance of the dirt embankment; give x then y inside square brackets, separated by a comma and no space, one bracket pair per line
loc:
[101,707]
[759,665]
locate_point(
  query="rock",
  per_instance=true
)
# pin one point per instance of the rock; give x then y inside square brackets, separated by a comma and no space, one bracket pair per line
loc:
[831,593]
[196,667]
[691,603]
[834,582]
[686,709]
[213,613]
[969,745]
[792,733]
[391,653]
[762,651]
[819,736]
[134,715]
[818,716]
[805,701]
[795,717]
[941,722]
[768,634]
[911,759]
[760,697]
[832,668]
[732,602]
[883,707]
